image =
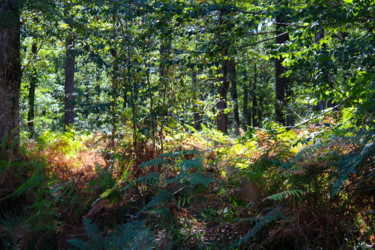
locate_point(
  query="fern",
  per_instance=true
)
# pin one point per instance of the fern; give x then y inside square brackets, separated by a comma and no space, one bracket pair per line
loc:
[190,176]
[261,222]
[284,195]
[36,180]
[163,196]
[351,165]
[151,179]
[93,233]
[132,235]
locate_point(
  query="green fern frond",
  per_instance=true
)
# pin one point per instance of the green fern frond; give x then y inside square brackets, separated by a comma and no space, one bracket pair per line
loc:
[35,180]
[351,165]
[93,233]
[133,235]
[151,179]
[163,196]
[191,164]
[80,244]
[267,219]
[284,195]
[157,162]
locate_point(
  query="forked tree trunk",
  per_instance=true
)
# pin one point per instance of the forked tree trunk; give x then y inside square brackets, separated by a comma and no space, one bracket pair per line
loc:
[10,68]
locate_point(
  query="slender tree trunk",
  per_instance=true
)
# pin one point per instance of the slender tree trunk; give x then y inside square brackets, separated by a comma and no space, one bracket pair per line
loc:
[97,98]
[114,87]
[319,35]
[255,102]
[133,93]
[33,81]
[245,113]
[289,121]
[236,114]
[69,82]
[260,114]
[152,115]
[197,114]
[86,94]
[10,68]
[222,118]
[281,82]
[114,95]
[163,69]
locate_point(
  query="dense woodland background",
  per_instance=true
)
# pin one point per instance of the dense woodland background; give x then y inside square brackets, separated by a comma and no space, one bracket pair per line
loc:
[187,124]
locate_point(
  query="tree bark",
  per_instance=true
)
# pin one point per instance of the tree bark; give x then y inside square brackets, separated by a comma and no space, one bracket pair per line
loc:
[255,101]
[222,118]
[245,110]
[281,82]
[69,83]
[236,115]
[319,35]
[33,81]
[197,114]
[163,78]
[10,68]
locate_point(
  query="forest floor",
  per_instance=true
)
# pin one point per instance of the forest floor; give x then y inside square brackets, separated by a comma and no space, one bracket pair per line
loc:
[267,188]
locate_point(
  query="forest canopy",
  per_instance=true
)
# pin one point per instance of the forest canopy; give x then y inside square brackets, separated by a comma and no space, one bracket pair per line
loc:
[187,123]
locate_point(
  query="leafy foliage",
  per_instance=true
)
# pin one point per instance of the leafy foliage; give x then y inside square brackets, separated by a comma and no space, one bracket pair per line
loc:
[129,236]
[194,125]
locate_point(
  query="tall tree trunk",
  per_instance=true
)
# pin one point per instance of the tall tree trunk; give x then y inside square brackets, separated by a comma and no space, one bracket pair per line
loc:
[260,114]
[88,104]
[281,82]
[255,108]
[113,105]
[197,114]
[289,120]
[97,98]
[33,81]
[222,118]
[69,82]
[319,35]
[236,114]
[246,102]
[10,68]
[163,70]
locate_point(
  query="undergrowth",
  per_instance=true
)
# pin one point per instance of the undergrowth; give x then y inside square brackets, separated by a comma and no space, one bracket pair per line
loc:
[301,188]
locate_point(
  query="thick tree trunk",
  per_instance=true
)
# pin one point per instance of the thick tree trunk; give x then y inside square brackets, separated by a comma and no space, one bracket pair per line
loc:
[236,115]
[33,81]
[10,68]
[281,83]
[69,82]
